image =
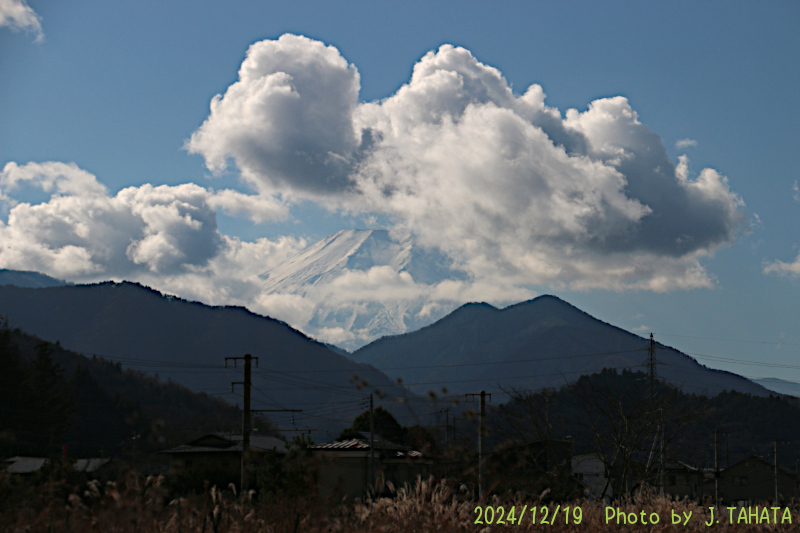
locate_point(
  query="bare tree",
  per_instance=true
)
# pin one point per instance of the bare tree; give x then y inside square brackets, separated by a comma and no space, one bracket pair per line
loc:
[632,431]
[528,417]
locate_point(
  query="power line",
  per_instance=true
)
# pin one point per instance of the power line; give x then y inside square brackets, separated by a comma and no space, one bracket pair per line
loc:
[729,340]
[493,363]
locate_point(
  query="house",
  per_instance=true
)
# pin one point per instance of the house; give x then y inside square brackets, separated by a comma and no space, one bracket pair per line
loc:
[31,465]
[683,481]
[23,465]
[220,453]
[343,466]
[631,477]
[753,480]
[590,470]
[90,465]
[532,467]
[677,479]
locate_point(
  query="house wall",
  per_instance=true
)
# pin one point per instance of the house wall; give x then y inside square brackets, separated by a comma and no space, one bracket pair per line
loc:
[219,461]
[592,471]
[341,477]
[754,480]
[681,483]
[346,474]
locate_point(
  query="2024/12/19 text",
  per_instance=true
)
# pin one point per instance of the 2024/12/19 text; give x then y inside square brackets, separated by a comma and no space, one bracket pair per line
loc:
[538,515]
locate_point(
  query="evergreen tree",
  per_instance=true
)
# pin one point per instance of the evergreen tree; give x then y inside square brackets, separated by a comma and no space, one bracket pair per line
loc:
[51,404]
[13,400]
[385,425]
[99,426]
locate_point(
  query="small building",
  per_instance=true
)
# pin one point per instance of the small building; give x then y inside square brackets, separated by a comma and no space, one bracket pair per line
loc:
[344,466]
[91,465]
[630,478]
[532,467]
[683,481]
[591,471]
[31,465]
[753,480]
[24,465]
[220,453]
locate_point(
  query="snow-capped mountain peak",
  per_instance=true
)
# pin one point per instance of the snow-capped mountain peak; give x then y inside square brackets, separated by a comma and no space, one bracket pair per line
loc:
[349,249]
[363,315]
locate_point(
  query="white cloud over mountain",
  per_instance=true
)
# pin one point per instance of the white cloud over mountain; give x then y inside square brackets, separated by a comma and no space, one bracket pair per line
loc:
[513,193]
[500,182]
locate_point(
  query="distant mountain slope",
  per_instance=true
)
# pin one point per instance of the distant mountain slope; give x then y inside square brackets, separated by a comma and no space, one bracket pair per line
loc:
[187,342]
[543,342]
[781,386]
[349,253]
[24,278]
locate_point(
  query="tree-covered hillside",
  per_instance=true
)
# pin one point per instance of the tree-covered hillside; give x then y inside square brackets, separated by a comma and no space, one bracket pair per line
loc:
[51,397]
[612,412]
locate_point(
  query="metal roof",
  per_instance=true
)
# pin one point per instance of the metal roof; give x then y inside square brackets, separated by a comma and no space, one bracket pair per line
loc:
[258,443]
[384,447]
[24,465]
[29,465]
[89,465]
[351,444]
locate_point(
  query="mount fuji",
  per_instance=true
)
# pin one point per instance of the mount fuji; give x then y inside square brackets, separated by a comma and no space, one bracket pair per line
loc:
[364,284]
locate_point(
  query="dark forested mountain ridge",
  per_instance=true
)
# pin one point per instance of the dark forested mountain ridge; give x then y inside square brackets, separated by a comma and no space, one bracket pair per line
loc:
[187,342]
[25,278]
[610,410]
[544,342]
[51,397]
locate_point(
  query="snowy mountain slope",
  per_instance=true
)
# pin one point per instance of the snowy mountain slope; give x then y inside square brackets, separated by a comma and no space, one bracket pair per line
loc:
[781,386]
[363,284]
[345,249]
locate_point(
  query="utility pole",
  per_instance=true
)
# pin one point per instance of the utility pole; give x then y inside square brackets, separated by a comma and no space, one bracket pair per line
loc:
[481,431]
[246,420]
[446,438]
[651,364]
[652,376]
[371,439]
[727,451]
[775,444]
[716,467]
[661,465]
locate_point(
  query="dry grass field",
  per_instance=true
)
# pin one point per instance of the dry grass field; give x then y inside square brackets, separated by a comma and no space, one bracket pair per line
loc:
[134,504]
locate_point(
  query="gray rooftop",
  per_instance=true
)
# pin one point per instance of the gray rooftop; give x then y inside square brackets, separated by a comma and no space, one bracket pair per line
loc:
[228,443]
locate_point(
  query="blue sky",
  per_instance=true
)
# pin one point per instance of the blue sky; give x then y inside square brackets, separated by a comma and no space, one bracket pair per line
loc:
[119,89]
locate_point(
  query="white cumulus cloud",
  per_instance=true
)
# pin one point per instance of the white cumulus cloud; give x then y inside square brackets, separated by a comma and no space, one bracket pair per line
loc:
[500,182]
[685,143]
[780,267]
[515,194]
[18,15]
[287,121]
[163,234]
[792,268]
